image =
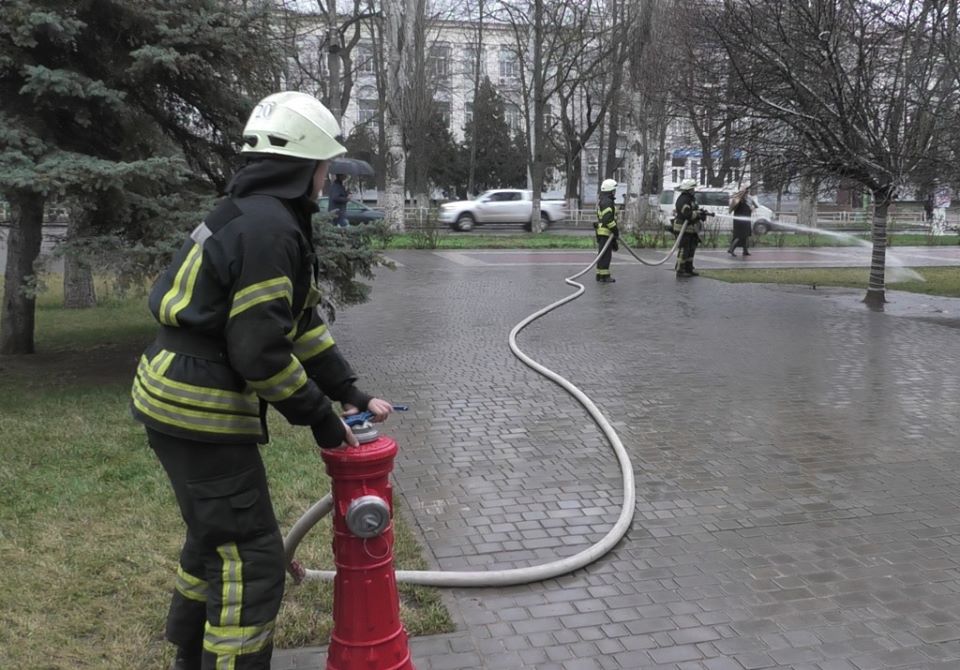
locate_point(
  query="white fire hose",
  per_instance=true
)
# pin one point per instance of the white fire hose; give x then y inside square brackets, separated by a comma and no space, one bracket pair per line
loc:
[533,573]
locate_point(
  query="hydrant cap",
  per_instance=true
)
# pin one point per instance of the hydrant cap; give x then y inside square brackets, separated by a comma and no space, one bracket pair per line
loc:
[368,516]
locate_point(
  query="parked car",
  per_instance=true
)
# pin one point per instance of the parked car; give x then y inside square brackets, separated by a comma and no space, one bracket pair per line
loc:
[357,212]
[505,205]
[718,201]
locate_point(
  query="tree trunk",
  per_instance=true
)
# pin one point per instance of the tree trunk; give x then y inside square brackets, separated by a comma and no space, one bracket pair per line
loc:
[333,61]
[23,248]
[396,15]
[634,199]
[876,297]
[78,289]
[807,212]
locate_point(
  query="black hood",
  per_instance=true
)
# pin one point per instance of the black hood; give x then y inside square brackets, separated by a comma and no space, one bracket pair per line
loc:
[281,177]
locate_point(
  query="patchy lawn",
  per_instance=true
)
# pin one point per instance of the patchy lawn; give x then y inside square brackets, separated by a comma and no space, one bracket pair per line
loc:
[89,528]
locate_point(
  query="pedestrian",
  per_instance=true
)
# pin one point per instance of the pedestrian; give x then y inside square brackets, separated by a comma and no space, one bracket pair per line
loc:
[742,210]
[338,199]
[240,329]
[688,212]
[605,227]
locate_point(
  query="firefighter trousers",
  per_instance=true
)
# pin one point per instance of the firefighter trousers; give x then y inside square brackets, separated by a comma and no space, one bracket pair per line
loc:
[231,574]
[603,264]
[685,252]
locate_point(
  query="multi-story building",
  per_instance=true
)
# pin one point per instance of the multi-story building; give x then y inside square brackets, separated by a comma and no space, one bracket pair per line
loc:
[451,57]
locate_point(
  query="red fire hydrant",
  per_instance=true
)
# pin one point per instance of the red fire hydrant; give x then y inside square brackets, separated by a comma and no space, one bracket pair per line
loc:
[367,633]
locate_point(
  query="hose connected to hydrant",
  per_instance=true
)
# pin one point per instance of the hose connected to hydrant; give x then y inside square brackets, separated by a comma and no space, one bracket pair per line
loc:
[533,573]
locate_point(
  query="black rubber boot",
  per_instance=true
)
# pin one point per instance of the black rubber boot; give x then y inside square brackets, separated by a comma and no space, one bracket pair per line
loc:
[185,661]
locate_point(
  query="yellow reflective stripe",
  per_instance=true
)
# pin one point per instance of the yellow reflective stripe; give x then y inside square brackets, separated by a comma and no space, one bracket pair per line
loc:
[602,212]
[231,576]
[233,640]
[283,384]
[194,420]
[272,289]
[603,232]
[198,396]
[178,297]
[312,343]
[191,587]
[313,296]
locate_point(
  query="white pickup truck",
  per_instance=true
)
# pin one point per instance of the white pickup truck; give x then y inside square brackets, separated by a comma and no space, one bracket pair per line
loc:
[503,205]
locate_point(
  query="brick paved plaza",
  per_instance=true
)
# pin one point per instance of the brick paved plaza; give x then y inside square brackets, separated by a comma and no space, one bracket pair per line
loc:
[798,475]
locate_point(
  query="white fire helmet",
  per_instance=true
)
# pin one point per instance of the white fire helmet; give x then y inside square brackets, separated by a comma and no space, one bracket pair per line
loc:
[687,185]
[608,185]
[292,124]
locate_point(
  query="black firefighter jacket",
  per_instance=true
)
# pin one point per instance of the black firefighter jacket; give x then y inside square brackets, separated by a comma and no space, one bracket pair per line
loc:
[243,291]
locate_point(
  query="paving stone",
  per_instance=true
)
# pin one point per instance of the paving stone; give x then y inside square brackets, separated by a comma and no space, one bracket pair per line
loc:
[803,515]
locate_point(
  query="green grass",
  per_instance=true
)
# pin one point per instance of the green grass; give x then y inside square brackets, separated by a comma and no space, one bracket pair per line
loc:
[944,281]
[89,528]
[469,241]
[447,240]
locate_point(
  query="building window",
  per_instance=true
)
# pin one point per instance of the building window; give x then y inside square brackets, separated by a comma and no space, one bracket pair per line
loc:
[468,113]
[673,175]
[470,60]
[509,68]
[368,111]
[438,62]
[620,174]
[443,109]
[513,117]
[364,61]
[593,166]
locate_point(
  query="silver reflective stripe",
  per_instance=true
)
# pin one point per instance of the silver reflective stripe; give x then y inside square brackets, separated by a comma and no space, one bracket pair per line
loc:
[181,290]
[198,396]
[207,422]
[191,587]
[233,640]
[272,289]
[232,578]
[313,342]
[201,233]
[283,384]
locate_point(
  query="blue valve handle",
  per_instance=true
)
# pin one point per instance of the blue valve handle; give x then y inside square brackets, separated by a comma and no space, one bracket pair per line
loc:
[363,417]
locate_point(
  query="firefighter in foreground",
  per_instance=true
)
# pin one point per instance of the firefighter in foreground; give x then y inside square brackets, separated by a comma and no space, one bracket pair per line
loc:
[687,211]
[240,328]
[606,226]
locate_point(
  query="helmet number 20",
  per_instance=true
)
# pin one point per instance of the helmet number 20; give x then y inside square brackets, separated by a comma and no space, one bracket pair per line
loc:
[263,110]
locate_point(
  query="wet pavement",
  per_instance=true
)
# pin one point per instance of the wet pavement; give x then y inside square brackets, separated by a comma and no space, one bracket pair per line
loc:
[798,476]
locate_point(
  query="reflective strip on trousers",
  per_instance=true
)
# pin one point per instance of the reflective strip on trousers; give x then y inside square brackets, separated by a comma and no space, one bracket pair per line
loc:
[231,641]
[190,587]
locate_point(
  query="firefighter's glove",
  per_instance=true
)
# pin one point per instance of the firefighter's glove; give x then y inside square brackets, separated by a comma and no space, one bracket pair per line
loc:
[332,432]
[615,245]
[380,409]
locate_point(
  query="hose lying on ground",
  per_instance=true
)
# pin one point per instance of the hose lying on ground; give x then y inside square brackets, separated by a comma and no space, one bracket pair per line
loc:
[532,573]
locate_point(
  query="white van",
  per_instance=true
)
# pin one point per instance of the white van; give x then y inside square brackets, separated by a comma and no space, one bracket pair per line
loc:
[717,201]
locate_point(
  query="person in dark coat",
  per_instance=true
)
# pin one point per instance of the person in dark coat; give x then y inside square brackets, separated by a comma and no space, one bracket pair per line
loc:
[239,330]
[687,213]
[605,227]
[742,212]
[339,197]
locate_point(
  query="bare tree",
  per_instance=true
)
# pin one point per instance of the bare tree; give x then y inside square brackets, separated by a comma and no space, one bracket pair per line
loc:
[650,74]
[859,83]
